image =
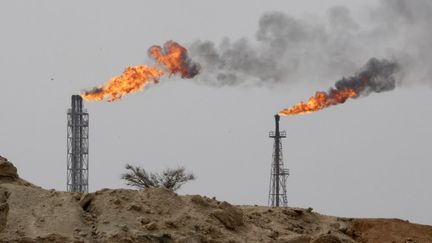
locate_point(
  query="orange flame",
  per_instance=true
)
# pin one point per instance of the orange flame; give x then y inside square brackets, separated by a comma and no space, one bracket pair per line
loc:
[320,101]
[173,57]
[133,79]
[173,60]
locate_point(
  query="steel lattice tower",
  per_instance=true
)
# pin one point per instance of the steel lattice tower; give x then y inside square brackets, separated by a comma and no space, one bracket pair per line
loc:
[77,146]
[278,175]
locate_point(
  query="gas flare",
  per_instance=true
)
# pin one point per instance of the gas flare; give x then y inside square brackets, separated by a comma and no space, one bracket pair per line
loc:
[320,101]
[175,58]
[172,59]
[377,76]
[133,79]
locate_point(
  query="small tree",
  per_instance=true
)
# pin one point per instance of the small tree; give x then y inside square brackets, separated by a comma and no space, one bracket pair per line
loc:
[171,179]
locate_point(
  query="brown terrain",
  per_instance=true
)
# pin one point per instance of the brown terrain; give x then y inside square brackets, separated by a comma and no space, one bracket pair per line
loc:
[29,213]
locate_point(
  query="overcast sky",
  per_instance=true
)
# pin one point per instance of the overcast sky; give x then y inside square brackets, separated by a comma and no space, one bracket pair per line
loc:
[369,157]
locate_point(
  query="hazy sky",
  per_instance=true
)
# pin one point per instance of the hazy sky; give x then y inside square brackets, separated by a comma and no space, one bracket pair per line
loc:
[370,157]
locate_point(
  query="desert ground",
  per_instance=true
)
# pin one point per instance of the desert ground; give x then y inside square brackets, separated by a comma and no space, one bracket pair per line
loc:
[29,213]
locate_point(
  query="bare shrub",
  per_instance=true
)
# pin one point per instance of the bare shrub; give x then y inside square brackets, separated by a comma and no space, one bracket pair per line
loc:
[171,179]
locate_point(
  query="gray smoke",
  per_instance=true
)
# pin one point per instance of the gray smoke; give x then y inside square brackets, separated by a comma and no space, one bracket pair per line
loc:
[287,49]
[376,76]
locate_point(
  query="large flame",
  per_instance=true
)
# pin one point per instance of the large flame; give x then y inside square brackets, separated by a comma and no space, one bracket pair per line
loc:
[133,79]
[320,101]
[172,58]
[376,76]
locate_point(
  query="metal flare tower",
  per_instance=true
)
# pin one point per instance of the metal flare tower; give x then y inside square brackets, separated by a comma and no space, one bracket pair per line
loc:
[278,175]
[77,146]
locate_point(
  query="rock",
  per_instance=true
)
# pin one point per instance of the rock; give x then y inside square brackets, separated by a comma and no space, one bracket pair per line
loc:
[134,207]
[229,216]
[7,169]
[148,211]
[151,226]
[170,224]
[144,221]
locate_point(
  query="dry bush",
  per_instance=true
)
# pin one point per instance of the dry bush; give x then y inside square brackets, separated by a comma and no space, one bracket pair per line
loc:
[171,179]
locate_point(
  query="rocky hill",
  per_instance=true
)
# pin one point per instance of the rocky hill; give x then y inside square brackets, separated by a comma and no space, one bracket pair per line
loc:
[29,213]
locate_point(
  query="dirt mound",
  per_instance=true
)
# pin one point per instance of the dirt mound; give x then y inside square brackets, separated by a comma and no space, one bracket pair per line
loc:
[31,214]
[396,230]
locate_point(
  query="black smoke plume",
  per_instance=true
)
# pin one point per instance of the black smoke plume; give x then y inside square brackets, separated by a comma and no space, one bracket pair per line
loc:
[287,49]
[376,76]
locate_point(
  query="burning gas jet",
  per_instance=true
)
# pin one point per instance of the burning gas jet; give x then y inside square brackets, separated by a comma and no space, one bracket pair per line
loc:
[377,76]
[172,59]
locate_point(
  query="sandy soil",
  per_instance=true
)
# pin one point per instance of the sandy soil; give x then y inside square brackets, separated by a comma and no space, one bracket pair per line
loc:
[29,213]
